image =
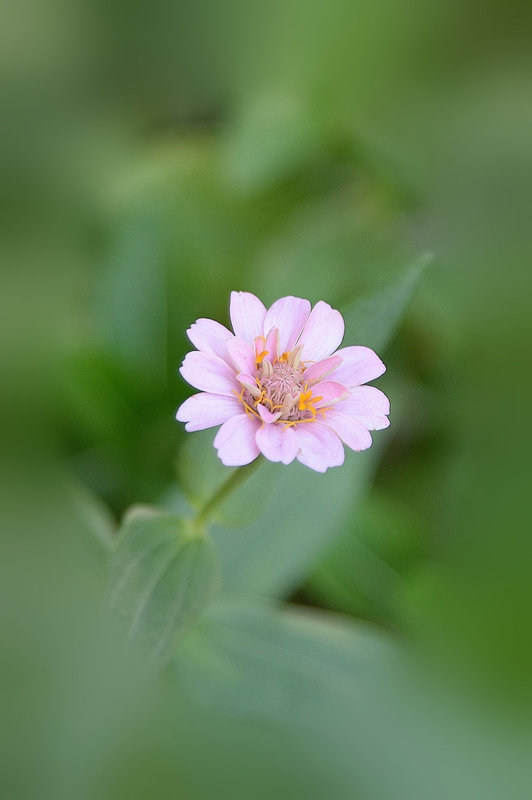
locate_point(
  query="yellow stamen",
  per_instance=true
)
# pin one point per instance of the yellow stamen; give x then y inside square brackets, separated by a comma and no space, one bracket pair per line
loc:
[292,423]
[307,402]
[239,396]
[250,411]
[304,399]
[261,356]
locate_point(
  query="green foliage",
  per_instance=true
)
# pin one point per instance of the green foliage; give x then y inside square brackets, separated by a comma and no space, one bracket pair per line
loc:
[365,571]
[162,575]
[261,658]
[281,148]
[372,320]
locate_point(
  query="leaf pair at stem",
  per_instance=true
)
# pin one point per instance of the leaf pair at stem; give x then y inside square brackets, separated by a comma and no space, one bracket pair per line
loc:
[164,572]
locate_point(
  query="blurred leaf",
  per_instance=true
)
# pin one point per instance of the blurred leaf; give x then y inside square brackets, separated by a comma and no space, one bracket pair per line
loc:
[273,135]
[373,320]
[174,501]
[333,243]
[357,700]
[95,515]
[366,571]
[133,293]
[259,658]
[162,577]
[303,511]
[201,473]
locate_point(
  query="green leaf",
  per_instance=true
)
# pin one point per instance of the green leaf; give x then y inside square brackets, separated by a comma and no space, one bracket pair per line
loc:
[257,657]
[273,136]
[132,302]
[163,575]
[95,518]
[303,511]
[373,320]
[201,474]
[358,702]
[366,571]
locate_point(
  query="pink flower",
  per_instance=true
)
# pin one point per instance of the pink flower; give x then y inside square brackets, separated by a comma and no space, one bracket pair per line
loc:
[279,386]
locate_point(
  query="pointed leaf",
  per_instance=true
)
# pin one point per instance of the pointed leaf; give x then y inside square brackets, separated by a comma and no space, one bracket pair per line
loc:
[162,577]
[373,320]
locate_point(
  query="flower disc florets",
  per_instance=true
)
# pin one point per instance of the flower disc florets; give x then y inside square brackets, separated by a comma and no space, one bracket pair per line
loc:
[277,386]
[280,388]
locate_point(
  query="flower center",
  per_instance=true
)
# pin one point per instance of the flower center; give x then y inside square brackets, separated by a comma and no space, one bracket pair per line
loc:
[280,388]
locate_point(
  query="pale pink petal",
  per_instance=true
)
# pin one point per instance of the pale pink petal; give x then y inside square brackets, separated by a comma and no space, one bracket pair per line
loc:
[272,345]
[369,405]
[289,315]
[329,392]
[259,343]
[226,367]
[319,447]
[246,379]
[277,443]
[207,410]
[369,400]
[323,332]
[235,441]
[349,429]
[375,423]
[266,415]
[359,365]
[209,374]
[322,368]
[242,355]
[247,314]
[210,337]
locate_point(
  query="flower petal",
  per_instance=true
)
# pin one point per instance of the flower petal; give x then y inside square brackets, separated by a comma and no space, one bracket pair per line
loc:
[322,368]
[369,405]
[247,314]
[350,429]
[272,345]
[209,336]
[277,443]
[359,365]
[266,415]
[323,332]
[319,447]
[235,441]
[207,410]
[289,315]
[242,355]
[209,374]
[329,392]
[245,379]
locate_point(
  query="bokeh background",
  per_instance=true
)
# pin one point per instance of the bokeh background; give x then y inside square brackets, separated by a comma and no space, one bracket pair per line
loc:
[372,635]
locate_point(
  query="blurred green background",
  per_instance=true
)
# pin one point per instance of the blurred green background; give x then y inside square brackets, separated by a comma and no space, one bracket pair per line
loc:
[371,636]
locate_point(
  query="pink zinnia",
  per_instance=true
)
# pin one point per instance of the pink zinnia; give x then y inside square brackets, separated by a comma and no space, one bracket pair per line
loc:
[279,386]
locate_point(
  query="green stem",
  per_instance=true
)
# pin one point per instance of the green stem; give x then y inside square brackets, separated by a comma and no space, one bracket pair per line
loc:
[237,476]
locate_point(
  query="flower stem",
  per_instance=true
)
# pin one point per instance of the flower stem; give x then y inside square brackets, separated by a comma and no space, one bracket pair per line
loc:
[237,476]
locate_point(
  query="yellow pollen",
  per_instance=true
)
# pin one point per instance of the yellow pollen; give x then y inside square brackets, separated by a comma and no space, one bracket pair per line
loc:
[261,356]
[307,402]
